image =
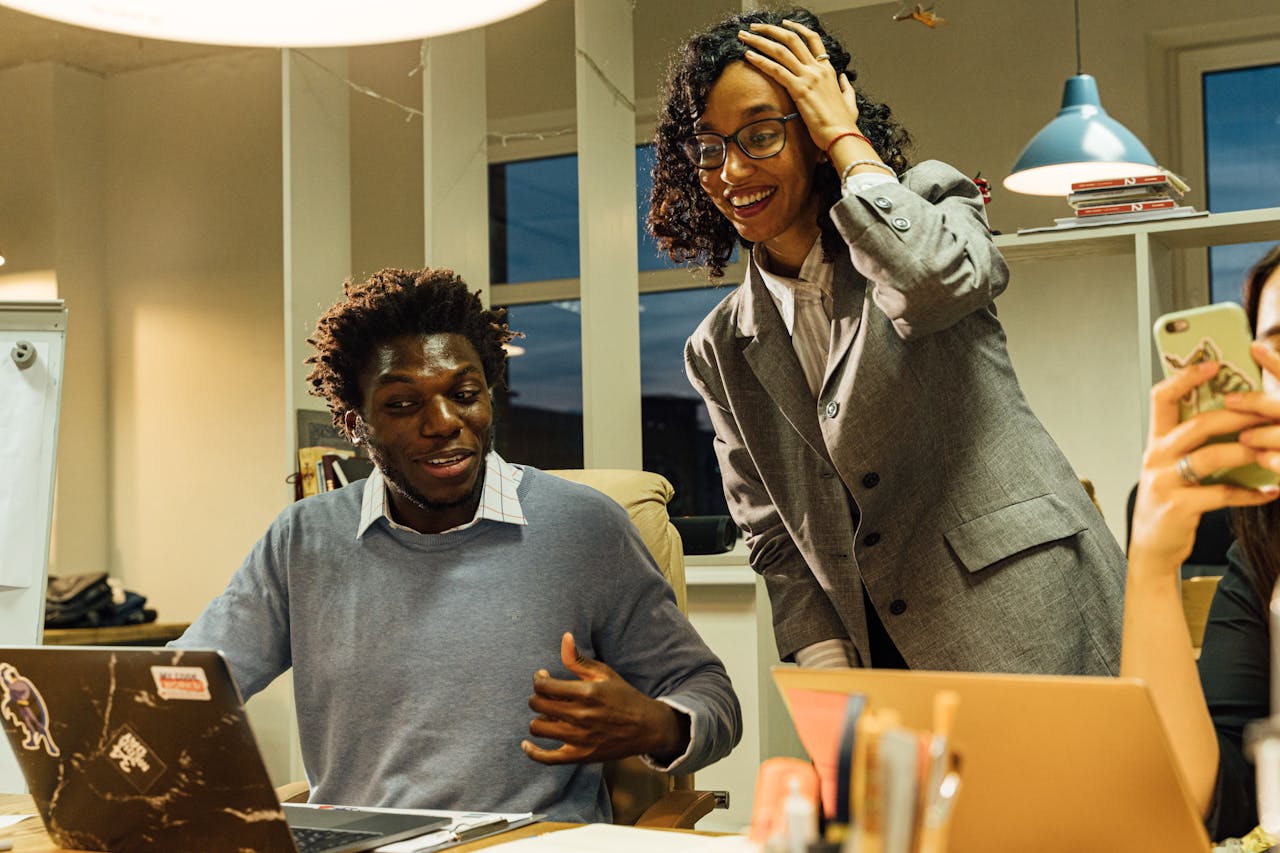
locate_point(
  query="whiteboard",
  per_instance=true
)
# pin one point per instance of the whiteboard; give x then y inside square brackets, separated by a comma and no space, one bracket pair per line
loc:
[30,397]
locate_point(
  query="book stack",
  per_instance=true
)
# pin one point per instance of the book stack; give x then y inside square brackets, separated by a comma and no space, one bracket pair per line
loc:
[323,469]
[1136,199]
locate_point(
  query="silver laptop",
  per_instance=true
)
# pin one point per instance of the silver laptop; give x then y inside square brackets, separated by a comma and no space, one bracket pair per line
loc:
[144,749]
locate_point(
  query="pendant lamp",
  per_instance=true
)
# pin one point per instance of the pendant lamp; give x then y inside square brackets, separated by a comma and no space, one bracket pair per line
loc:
[1082,143]
[276,23]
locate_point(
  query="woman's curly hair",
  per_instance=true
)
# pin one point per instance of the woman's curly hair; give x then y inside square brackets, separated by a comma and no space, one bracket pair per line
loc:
[682,218]
[392,304]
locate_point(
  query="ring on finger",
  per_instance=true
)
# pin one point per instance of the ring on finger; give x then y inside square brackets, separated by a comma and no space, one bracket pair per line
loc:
[823,57]
[1187,473]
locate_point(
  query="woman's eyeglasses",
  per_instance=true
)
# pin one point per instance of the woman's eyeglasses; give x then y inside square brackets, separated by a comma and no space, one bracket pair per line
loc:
[757,139]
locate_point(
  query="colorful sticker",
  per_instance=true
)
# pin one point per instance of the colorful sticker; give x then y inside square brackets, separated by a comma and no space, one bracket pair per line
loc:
[22,705]
[136,761]
[181,682]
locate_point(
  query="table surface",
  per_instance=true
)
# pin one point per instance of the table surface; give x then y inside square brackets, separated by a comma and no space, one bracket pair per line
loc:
[149,634]
[30,837]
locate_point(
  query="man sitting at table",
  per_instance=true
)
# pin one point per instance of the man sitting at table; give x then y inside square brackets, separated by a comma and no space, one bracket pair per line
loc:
[416,606]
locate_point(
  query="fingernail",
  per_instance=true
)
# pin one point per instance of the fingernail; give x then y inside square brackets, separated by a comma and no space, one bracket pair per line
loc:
[756,26]
[1207,368]
[1234,398]
[1270,490]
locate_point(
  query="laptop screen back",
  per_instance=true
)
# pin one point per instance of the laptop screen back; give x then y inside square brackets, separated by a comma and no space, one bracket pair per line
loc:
[1051,764]
[137,749]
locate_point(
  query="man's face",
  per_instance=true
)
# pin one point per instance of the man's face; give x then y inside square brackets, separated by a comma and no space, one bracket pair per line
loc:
[428,422]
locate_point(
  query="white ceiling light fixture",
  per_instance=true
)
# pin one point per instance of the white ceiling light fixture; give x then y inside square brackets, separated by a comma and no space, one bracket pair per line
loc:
[277,23]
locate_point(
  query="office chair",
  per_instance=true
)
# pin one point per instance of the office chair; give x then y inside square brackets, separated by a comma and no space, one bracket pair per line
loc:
[640,795]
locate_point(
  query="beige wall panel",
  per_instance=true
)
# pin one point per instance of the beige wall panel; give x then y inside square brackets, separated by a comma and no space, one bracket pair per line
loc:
[386,159]
[194,270]
[81,513]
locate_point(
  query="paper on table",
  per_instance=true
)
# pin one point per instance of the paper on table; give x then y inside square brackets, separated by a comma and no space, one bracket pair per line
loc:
[443,837]
[595,837]
[24,393]
[11,819]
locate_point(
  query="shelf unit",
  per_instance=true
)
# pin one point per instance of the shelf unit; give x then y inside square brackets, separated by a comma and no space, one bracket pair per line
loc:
[1152,246]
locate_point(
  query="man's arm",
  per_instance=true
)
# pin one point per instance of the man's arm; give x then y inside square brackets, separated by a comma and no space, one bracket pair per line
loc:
[249,621]
[653,688]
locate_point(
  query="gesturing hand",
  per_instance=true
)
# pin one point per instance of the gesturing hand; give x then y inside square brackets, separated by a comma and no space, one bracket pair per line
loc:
[598,716]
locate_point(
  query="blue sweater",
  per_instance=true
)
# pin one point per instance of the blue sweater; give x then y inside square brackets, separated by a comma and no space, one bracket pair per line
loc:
[413,655]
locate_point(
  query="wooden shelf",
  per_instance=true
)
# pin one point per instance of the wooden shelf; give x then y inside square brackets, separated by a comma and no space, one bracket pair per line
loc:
[150,634]
[1215,229]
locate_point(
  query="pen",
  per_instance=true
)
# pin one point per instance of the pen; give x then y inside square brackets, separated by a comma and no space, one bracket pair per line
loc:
[475,830]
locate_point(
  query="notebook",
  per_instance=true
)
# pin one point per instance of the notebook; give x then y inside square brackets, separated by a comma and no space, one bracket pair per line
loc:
[133,749]
[1051,764]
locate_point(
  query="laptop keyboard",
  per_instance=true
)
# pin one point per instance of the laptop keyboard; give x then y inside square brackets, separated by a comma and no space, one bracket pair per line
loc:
[309,840]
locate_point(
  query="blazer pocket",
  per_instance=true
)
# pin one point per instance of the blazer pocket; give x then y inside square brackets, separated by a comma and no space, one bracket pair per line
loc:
[990,538]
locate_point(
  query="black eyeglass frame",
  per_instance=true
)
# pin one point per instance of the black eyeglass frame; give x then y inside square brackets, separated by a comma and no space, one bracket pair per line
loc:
[690,144]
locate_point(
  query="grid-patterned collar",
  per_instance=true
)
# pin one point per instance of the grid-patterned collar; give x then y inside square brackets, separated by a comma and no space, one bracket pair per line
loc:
[814,271]
[498,501]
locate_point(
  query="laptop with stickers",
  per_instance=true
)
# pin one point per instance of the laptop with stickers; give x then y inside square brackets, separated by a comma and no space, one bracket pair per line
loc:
[133,749]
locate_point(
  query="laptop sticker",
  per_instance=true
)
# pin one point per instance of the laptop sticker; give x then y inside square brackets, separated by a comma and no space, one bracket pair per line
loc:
[181,682]
[22,705]
[136,761]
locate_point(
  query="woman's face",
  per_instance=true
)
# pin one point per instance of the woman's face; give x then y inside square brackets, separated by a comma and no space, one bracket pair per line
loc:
[770,201]
[1268,324]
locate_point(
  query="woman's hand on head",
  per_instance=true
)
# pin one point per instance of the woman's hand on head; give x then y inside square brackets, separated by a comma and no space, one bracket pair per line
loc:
[788,55]
[1168,507]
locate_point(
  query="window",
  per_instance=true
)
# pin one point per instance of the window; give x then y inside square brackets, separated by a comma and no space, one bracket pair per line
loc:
[534,239]
[1242,161]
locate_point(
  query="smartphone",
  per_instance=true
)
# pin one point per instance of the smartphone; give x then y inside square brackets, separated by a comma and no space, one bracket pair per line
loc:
[1218,332]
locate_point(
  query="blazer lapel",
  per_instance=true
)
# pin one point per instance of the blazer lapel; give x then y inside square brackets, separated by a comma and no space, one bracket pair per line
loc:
[772,358]
[848,295]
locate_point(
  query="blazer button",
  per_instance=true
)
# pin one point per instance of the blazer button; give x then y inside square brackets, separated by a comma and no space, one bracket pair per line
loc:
[882,203]
[832,408]
[870,539]
[898,607]
[901,223]
[870,481]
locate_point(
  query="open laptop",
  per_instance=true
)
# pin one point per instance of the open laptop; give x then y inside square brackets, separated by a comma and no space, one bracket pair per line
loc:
[133,749]
[1051,764]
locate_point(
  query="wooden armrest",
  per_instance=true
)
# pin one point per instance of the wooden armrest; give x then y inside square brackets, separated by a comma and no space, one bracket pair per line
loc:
[678,810]
[294,792]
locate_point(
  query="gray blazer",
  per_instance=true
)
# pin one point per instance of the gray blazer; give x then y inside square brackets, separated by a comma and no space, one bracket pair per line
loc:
[920,470]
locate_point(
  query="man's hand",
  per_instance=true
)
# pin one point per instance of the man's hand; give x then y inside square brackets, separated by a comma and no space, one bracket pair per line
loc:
[599,717]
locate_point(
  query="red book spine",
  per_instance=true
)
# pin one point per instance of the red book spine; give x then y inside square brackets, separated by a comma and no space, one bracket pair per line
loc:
[1107,183]
[1132,207]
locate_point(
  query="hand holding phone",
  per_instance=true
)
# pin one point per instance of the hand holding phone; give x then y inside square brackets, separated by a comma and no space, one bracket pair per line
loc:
[1220,333]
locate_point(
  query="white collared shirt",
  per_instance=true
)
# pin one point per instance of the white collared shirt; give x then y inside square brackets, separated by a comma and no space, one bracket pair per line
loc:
[813,270]
[498,500]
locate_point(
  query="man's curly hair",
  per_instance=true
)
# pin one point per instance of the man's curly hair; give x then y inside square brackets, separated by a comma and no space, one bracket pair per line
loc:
[392,304]
[682,218]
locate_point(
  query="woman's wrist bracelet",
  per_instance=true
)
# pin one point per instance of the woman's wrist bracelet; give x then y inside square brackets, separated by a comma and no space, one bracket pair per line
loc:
[853,133]
[844,176]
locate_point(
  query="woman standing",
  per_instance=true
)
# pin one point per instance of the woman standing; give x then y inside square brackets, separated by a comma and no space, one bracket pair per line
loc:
[903,503]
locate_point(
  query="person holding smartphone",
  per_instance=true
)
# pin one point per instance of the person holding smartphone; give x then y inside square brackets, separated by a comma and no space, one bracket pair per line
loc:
[1205,714]
[902,502]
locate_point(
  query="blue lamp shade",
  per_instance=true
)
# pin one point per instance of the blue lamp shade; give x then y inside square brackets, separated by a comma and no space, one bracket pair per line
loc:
[1082,144]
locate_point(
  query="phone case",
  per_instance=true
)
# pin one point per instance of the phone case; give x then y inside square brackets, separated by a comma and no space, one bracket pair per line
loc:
[1218,332]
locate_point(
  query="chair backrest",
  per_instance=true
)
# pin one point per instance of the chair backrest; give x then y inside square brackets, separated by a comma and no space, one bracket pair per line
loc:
[1197,595]
[634,786]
